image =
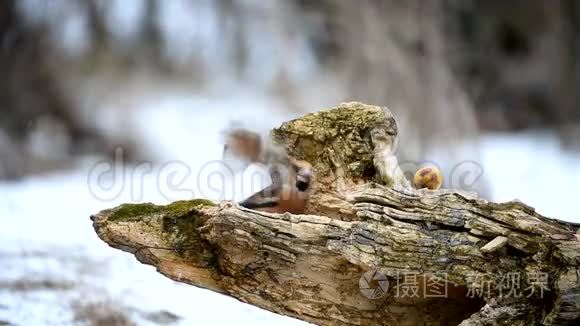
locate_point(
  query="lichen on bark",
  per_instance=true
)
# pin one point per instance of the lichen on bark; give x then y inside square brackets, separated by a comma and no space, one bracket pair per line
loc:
[337,138]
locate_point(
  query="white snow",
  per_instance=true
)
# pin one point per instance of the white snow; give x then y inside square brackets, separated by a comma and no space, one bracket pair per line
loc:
[533,168]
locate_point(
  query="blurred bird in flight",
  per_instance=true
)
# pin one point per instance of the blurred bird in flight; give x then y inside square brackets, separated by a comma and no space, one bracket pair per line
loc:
[291,179]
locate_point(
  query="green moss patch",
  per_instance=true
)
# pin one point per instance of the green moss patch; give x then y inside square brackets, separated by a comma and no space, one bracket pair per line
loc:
[134,212]
[179,222]
[182,207]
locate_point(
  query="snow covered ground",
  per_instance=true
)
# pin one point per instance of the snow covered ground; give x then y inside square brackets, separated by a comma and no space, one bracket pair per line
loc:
[533,168]
[51,261]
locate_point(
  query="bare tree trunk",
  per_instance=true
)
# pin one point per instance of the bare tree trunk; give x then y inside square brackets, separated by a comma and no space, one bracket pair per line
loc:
[31,93]
[567,11]
[362,246]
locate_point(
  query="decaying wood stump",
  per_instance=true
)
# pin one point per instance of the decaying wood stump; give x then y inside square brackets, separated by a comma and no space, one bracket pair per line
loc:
[370,250]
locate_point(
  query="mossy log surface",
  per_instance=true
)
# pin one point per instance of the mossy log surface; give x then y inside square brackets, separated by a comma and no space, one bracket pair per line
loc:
[363,216]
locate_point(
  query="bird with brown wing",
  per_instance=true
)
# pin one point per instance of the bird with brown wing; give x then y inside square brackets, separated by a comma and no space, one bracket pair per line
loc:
[291,179]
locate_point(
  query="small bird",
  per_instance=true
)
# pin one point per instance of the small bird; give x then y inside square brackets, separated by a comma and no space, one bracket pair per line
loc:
[285,194]
[291,179]
[243,144]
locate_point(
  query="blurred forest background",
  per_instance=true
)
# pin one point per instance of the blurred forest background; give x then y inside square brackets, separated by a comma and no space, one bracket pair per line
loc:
[447,68]
[490,83]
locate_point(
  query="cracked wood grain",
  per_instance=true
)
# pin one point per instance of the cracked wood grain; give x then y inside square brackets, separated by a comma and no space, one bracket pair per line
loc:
[360,218]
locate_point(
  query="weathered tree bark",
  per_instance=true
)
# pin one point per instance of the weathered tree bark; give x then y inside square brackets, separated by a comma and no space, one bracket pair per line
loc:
[363,217]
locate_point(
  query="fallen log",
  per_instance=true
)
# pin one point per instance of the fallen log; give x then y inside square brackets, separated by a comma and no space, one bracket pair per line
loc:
[370,249]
